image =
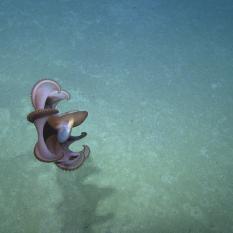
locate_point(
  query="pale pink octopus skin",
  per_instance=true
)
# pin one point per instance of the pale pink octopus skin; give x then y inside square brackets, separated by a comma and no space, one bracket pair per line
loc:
[45,96]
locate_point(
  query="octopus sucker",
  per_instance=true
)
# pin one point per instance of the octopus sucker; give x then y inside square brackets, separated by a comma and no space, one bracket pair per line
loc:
[54,128]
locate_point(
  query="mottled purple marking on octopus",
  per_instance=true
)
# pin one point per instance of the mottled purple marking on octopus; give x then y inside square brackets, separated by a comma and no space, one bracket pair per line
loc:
[54,129]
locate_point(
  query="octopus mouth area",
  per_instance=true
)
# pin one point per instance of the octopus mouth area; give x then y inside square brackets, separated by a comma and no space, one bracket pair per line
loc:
[50,104]
[48,130]
[68,160]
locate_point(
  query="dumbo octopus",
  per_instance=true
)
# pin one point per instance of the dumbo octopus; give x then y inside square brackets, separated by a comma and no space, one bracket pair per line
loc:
[54,129]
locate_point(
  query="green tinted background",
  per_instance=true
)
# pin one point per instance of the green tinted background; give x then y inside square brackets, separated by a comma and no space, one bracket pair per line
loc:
[156,77]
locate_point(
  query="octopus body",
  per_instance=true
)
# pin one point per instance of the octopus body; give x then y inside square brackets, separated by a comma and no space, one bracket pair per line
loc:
[54,129]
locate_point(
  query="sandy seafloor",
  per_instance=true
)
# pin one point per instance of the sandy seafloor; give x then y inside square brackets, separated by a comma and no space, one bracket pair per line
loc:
[156,77]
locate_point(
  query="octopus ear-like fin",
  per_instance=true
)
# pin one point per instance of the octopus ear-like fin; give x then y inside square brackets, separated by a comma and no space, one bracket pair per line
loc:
[73,118]
[41,90]
[56,96]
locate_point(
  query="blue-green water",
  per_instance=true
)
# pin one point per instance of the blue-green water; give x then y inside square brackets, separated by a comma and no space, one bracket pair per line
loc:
[156,77]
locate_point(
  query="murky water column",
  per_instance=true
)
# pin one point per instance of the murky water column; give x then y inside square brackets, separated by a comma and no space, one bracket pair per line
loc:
[156,79]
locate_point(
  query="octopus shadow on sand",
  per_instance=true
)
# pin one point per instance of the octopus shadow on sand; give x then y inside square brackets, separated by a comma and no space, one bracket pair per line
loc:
[36,197]
[80,201]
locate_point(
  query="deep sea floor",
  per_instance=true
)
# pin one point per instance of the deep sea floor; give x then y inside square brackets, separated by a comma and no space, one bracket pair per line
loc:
[156,77]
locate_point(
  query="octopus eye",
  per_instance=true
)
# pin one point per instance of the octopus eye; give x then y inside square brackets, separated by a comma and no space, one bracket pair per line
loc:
[64,133]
